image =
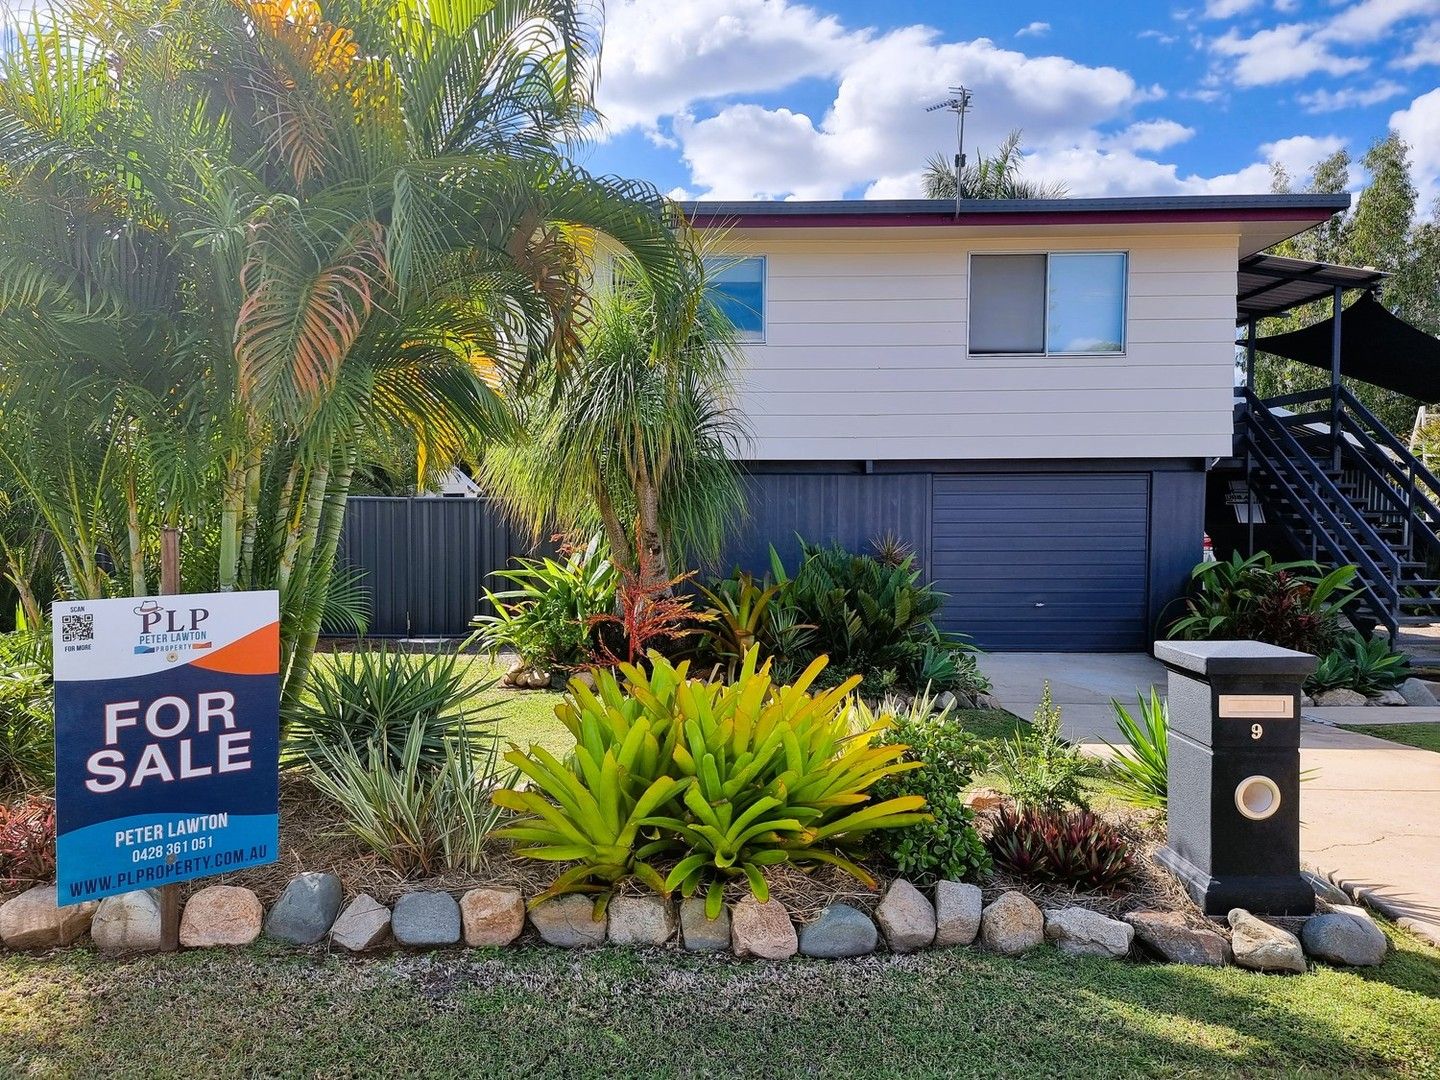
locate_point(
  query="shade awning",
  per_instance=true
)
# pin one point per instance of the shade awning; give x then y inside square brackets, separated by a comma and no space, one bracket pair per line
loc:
[1376,347]
[1273,284]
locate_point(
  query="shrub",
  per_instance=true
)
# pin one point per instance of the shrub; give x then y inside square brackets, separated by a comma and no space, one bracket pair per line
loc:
[948,847]
[373,698]
[1296,605]
[740,607]
[652,618]
[1365,665]
[418,817]
[724,779]
[546,617]
[27,842]
[27,728]
[1139,772]
[1075,849]
[874,618]
[1042,770]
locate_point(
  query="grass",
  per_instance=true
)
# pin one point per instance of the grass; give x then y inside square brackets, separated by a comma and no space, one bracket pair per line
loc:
[543,1012]
[1422,736]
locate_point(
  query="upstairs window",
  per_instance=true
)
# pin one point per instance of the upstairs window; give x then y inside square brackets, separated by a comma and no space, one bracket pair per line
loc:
[737,287]
[1058,304]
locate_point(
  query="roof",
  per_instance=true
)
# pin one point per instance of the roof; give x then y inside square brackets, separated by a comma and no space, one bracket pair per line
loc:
[843,213]
[1271,284]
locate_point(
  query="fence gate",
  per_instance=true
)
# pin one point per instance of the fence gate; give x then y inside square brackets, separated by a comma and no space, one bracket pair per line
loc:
[425,561]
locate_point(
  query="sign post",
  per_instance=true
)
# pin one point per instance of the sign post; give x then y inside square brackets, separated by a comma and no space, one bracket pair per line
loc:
[167,741]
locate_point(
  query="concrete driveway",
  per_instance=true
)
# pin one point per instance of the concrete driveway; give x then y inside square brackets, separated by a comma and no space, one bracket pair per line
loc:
[1370,812]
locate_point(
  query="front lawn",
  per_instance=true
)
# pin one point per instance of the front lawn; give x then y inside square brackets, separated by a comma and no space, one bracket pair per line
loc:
[1421,736]
[544,1012]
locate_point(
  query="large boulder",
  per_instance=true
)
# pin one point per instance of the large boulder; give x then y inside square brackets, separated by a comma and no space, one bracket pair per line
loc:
[306,909]
[907,918]
[1418,694]
[1340,697]
[840,930]
[957,912]
[1078,931]
[128,923]
[1390,698]
[1261,947]
[568,921]
[1169,937]
[33,920]
[424,920]
[364,924]
[221,915]
[492,917]
[700,934]
[641,920]
[1345,935]
[1012,924]
[762,930]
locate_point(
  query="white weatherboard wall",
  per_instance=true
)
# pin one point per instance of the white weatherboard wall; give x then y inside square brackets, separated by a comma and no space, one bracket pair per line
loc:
[865,354]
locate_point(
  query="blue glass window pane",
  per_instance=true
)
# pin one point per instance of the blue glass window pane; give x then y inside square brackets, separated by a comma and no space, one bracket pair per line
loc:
[1086,311]
[737,288]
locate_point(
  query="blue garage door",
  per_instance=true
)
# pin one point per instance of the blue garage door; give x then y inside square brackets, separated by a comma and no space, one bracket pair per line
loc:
[1043,561]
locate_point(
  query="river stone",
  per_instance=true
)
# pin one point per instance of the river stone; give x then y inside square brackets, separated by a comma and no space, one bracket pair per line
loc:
[1418,694]
[568,921]
[1012,924]
[906,916]
[762,930]
[840,930]
[33,920]
[1345,935]
[221,915]
[957,912]
[1261,947]
[306,909]
[426,919]
[128,923]
[641,920]
[492,917]
[364,924]
[1166,933]
[1340,697]
[1332,894]
[1078,931]
[700,934]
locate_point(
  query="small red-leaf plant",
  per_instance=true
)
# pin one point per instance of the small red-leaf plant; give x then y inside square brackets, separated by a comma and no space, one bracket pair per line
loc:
[27,842]
[1071,848]
[652,615]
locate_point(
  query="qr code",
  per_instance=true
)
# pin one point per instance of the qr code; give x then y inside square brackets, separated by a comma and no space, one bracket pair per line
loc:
[77,628]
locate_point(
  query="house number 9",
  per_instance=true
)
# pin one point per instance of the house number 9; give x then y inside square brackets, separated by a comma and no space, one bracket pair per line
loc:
[1256,731]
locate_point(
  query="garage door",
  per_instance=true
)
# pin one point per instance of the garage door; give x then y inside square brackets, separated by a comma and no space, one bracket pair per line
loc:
[1043,561]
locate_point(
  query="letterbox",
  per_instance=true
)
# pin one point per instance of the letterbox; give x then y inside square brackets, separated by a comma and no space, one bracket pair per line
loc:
[1234,804]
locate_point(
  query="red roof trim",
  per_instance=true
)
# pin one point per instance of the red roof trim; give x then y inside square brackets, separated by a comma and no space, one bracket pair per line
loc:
[1073,217]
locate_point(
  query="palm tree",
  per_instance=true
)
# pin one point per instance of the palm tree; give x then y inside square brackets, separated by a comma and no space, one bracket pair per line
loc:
[995,177]
[236,235]
[641,442]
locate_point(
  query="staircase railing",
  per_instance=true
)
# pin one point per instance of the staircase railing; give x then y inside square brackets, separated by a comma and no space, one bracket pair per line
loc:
[1331,520]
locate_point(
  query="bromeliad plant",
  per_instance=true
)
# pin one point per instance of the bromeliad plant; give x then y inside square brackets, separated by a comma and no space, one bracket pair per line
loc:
[725,780]
[1140,771]
[1365,665]
[741,606]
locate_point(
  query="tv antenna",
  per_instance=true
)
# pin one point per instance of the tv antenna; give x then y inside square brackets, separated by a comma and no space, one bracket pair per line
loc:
[959,103]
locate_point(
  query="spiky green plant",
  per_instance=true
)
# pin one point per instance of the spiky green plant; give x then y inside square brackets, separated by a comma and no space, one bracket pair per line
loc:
[1140,771]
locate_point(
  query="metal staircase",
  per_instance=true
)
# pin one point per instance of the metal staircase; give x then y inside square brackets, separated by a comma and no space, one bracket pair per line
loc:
[1344,489]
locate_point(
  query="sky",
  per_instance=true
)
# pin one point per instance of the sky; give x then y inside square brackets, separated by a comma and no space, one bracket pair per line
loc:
[773,99]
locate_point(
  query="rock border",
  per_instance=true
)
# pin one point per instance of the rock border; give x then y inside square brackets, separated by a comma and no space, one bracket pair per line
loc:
[908,919]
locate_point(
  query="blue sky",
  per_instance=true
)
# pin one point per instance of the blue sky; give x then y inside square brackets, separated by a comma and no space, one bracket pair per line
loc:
[775,99]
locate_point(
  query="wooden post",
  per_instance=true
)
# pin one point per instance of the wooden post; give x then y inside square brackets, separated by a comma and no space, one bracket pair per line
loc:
[1335,340]
[169,586]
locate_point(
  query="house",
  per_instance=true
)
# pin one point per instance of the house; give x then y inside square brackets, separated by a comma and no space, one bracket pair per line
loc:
[1028,393]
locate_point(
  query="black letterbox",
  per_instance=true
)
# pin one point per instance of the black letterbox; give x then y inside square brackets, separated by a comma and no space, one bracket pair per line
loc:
[1233,815]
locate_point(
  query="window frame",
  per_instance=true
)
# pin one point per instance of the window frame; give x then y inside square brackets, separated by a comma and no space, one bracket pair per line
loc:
[1045,313]
[744,337]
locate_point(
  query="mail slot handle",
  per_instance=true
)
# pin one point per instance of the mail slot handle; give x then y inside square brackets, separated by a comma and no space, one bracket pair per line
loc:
[1257,706]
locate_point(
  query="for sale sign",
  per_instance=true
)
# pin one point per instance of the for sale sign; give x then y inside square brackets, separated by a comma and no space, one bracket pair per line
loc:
[167,739]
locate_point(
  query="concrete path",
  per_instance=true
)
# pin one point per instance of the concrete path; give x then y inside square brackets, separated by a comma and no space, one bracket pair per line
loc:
[1370,814]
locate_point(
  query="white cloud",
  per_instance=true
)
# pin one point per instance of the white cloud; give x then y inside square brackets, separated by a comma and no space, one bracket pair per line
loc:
[1288,51]
[1227,9]
[1424,51]
[1372,19]
[1419,125]
[661,56]
[1158,36]
[1350,97]
[1287,7]
[1152,135]
[1034,29]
